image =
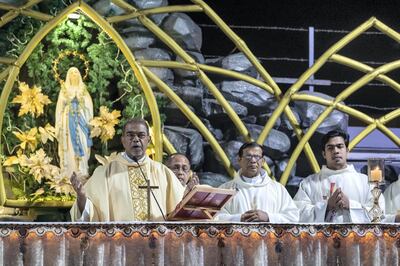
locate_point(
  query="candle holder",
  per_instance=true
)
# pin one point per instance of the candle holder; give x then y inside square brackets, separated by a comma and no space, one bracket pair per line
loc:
[376,173]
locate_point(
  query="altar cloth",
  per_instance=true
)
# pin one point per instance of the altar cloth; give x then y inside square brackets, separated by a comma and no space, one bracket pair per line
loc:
[184,243]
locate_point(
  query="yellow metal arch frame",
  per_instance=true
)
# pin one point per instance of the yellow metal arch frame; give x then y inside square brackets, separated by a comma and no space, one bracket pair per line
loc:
[142,72]
[371,74]
[200,69]
[189,63]
[14,70]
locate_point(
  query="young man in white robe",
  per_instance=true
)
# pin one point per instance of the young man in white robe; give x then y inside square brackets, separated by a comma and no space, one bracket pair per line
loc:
[338,193]
[258,197]
[117,190]
[392,201]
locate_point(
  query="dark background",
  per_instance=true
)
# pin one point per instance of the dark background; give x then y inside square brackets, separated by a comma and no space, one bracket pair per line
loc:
[284,52]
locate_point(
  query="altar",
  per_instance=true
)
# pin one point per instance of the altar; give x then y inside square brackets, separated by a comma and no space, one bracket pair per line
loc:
[198,244]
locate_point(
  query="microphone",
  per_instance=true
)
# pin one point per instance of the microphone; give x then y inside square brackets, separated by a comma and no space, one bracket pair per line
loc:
[135,159]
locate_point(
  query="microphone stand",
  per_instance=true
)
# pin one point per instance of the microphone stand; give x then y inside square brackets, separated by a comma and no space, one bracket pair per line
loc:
[149,188]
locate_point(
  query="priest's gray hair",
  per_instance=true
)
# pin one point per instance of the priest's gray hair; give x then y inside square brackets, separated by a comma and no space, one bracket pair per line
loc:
[136,120]
[171,156]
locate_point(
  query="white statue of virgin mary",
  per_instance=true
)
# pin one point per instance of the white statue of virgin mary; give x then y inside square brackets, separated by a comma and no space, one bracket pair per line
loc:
[73,113]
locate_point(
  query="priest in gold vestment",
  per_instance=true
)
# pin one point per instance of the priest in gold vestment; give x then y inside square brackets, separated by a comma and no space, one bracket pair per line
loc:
[113,192]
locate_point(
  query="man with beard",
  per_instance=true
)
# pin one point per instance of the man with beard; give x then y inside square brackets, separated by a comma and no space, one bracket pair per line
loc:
[337,193]
[258,197]
[117,190]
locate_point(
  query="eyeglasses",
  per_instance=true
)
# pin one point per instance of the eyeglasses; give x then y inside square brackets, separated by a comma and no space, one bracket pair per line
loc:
[177,168]
[131,135]
[250,156]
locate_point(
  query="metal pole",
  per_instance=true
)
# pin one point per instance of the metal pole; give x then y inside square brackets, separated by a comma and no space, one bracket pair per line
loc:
[311,53]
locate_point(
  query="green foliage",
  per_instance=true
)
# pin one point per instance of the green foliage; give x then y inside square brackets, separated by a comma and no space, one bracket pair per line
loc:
[111,82]
[15,36]
[53,7]
[13,39]
[135,107]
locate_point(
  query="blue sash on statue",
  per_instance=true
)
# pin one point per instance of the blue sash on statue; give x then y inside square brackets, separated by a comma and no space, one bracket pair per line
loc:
[77,120]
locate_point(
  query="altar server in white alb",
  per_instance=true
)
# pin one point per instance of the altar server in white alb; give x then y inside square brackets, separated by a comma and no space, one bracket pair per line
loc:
[392,200]
[338,193]
[258,197]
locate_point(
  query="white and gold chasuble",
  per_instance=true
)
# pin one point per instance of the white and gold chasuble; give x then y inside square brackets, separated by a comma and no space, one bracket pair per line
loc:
[114,195]
[139,195]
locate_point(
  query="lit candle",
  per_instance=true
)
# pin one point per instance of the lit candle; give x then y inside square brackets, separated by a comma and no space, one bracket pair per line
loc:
[376,175]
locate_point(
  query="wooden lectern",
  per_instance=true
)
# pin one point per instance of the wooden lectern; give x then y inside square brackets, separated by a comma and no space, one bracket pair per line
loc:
[202,202]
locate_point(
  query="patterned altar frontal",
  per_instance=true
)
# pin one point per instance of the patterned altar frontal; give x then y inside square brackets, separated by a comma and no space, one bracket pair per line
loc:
[198,244]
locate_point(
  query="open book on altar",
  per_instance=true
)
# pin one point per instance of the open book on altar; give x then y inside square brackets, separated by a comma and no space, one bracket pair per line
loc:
[202,202]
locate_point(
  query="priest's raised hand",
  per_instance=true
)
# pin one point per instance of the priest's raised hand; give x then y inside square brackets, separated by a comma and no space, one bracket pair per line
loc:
[129,186]
[80,191]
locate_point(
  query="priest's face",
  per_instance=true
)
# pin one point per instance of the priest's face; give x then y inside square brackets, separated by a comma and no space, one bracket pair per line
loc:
[135,139]
[180,165]
[251,161]
[335,153]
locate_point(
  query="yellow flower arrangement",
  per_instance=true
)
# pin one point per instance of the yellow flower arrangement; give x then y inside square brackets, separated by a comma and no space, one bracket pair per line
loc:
[28,138]
[103,126]
[31,100]
[11,161]
[47,133]
[39,166]
[62,185]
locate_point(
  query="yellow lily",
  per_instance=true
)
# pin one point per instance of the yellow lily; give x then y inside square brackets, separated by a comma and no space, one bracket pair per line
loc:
[11,161]
[103,126]
[62,185]
[27,138]
[31,100]
[47,133]
[39,166]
